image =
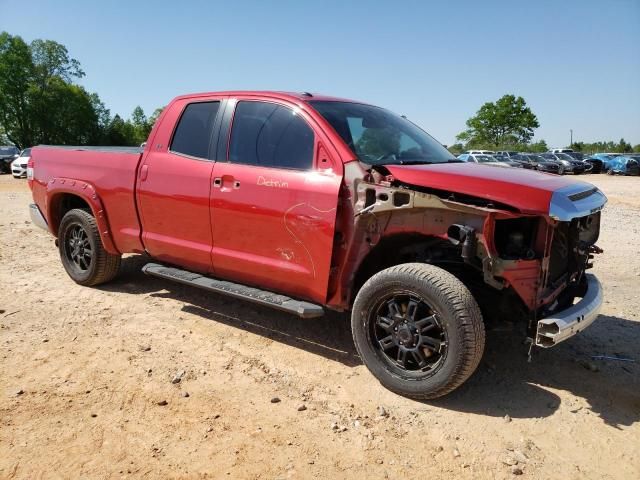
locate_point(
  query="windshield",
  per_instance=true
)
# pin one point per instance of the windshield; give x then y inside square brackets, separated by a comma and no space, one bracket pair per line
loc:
[377,136]
[26,152]
[564,156]
[484,158]
[8,150]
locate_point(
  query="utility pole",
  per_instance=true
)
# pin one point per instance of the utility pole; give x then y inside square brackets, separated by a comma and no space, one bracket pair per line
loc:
[571,143]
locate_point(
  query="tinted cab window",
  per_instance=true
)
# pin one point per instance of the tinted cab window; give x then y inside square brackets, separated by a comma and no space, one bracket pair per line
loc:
[193,133]
[270,135]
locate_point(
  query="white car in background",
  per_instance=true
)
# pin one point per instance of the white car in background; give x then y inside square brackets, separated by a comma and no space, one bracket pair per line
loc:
[479,152]
[19,165]
[487,160]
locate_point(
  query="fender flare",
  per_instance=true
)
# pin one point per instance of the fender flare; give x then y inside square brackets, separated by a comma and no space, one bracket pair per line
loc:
[58,186]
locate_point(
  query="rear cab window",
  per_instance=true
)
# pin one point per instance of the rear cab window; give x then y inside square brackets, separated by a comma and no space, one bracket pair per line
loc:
[192,136]
[271,135]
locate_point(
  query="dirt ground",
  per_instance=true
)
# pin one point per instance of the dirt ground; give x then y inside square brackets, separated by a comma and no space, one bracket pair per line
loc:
[85,373]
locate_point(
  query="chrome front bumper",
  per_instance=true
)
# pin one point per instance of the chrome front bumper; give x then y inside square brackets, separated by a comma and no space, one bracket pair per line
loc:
[562,325]
[37,218]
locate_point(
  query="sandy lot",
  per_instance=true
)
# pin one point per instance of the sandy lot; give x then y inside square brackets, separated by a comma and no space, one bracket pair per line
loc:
[82,373]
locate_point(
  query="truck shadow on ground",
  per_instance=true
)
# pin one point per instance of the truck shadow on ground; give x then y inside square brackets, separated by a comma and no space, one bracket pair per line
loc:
[505,383]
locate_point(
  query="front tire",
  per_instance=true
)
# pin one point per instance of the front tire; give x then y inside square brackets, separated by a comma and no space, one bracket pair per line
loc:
[418,330]
[81,251]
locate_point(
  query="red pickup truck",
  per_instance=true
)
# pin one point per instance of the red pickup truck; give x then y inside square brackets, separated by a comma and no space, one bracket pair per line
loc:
[303,202]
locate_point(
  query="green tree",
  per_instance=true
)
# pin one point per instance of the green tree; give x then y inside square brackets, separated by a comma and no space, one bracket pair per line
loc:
[623,146]
[16,73]
[636,148]
[379,141]
[39,103]
[538,147]
[506,122]
[121,132]
[141,126]
[456,148]
[155,115]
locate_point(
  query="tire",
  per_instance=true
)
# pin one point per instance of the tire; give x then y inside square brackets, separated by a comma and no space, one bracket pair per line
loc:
[450,337]
[89,264]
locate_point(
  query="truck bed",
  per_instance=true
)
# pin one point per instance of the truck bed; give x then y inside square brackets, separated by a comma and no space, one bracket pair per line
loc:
[86,148]
[111,171]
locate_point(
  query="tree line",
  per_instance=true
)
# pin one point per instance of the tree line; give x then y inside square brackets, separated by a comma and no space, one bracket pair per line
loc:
[41,103]
[509,124]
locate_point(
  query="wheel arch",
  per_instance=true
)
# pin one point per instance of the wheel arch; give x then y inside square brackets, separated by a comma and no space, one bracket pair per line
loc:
[65,194]
[404,248]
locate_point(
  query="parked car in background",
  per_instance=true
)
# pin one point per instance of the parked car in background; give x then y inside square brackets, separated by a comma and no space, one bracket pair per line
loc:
[576,155]
[579,156]
[568,164]
[628,164]
[607,155]
[487,160]
[19,165]
[532,161]
[561,150]
[479,152]
[595,162]
[8,154]
[507,153]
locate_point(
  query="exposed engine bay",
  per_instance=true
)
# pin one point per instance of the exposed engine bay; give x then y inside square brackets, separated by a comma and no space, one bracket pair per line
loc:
[520,267]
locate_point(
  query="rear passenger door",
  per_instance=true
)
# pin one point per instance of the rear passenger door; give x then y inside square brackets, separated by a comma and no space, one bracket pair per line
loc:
[174,184]
[274,201]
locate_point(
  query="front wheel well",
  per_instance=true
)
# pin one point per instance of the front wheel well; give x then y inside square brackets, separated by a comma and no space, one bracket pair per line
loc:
[497,306]
[406,248]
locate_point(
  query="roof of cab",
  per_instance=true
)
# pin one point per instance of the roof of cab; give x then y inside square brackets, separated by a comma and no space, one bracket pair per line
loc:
[295,96]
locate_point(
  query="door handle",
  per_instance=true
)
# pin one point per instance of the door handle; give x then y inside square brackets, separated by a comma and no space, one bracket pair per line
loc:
[143,173]
[220,182]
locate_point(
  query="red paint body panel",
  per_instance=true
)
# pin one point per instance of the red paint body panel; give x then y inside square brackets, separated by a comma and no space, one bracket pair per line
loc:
[275,229]
[173,198]
[112,175]
[529,192]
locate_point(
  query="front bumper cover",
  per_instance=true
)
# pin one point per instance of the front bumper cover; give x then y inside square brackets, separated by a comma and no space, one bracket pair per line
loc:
[566,323]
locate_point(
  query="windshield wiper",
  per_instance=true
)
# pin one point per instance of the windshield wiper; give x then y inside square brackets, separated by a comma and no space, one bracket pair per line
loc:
[415,162]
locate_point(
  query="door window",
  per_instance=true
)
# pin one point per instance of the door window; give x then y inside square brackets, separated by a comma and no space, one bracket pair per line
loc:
[270,135]
[193,133]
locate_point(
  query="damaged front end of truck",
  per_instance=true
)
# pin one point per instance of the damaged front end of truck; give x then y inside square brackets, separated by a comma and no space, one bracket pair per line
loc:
[524,266]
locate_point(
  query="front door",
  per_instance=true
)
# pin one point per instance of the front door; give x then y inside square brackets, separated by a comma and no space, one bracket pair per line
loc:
[273,211]
[174,186]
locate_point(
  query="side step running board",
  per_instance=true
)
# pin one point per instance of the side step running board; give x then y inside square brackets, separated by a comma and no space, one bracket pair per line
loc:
[281,302]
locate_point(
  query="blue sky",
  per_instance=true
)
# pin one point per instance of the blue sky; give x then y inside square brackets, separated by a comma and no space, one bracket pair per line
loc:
[576,63]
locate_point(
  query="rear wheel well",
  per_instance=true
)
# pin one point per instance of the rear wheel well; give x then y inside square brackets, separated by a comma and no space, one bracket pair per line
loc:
[62,203]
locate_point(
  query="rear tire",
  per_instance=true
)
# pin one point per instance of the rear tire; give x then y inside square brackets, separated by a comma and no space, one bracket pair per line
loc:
[81,251]
[418,330]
